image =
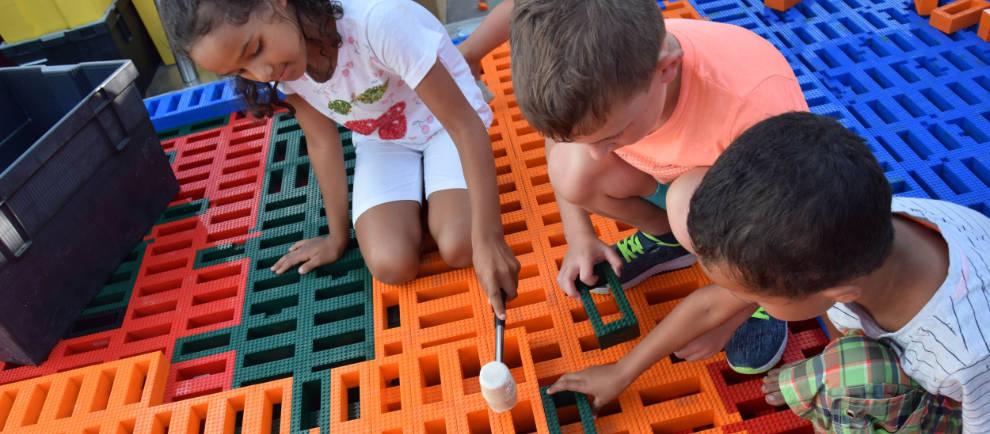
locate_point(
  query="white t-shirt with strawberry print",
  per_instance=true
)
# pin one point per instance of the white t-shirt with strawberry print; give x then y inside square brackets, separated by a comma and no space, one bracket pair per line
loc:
[388,47]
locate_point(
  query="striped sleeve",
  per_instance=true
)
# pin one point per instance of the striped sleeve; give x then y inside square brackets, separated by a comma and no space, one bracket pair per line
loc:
[974,380]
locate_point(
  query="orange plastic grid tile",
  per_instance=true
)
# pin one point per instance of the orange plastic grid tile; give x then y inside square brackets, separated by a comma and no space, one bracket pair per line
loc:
[434,391]
[984,30]
[83,398]
[417,367]
[126,396]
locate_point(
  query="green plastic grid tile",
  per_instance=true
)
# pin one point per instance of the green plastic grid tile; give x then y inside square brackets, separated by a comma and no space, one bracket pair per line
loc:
[618,331]
[564,399]
[183,211]
[107,308]
[293,325]
[194,127]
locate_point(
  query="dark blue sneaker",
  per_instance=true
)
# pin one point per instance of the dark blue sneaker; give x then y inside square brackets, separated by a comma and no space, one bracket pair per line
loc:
[644,256]
[757,345]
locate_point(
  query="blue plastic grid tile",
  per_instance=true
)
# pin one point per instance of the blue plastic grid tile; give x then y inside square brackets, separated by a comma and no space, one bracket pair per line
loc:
[193,105]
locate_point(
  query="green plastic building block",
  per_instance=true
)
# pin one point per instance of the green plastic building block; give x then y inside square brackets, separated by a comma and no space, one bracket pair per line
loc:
[221,254]
[564,399]
[183,210]
[620,330]
[107,308]
[194,127]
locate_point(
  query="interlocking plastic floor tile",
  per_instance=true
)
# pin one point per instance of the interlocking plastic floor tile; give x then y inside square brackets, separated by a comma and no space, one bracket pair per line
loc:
[620,330]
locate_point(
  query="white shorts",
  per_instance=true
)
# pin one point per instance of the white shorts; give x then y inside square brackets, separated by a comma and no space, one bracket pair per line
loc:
[389,171]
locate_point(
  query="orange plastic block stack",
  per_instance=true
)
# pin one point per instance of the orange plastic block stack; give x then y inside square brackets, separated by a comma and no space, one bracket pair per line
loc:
[957,15]
[780,5]
[925,7]
[126,396]
[984,30]
[681,9]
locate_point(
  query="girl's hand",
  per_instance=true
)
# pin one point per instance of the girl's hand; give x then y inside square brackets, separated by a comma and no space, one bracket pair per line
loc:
[498,271]
[312,252]
[582,254]
[602,382]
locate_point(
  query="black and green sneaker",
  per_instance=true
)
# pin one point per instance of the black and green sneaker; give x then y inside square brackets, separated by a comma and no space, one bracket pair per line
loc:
[644,255]
[757,345]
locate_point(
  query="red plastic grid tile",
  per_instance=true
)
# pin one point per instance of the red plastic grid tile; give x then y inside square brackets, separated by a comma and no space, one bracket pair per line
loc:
[172,299]
[200,377]
[225,166]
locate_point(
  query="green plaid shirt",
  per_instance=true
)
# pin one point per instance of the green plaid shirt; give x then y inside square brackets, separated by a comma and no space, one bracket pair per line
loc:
[857,386]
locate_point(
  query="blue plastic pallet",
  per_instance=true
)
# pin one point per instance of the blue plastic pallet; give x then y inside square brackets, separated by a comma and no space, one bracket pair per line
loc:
[192,105]
[921,98]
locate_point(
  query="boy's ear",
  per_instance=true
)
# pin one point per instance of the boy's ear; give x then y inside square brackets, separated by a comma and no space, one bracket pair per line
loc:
[843,293]
[668,62]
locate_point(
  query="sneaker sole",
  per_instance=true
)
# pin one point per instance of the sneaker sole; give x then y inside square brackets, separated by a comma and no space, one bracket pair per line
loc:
[759,370]
[676,264]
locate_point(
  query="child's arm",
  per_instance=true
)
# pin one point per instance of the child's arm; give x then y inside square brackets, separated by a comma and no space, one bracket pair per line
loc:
[584,248]
[701,311]
[327,157]
[493,31]
[494,262]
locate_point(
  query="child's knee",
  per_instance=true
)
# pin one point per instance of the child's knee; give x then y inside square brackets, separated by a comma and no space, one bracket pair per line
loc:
[392,266]
[569,184]
[455,249]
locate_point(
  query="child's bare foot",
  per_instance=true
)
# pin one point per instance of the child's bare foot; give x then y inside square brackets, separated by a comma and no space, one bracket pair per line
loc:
[771,388]
[771,385]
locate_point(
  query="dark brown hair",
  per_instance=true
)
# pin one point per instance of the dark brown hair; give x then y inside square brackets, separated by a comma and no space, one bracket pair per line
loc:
[573,60]
[186,21]
[796,205]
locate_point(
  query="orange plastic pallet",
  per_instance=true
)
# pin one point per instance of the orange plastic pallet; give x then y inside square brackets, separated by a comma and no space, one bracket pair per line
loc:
[126,396]
[76,400]
[958,15]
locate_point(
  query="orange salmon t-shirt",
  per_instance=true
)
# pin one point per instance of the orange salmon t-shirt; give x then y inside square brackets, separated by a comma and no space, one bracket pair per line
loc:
[731,79]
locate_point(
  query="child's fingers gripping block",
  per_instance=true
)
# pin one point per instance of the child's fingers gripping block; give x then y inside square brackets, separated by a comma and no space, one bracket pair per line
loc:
[615,332]
[564,399]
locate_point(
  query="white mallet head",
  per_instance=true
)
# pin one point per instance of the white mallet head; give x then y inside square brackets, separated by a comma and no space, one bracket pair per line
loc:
[497,386]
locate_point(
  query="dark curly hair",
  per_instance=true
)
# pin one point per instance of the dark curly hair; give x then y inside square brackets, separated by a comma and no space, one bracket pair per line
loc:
[797,204]
[186,21]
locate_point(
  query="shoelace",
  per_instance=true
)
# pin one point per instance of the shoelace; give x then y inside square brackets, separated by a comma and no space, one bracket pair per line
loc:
[631,247]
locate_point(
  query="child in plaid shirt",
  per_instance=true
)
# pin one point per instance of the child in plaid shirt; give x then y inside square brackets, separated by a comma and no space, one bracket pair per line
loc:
[797,216]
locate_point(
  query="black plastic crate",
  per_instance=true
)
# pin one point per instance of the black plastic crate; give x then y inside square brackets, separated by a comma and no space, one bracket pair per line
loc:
[82,179]
[120,34]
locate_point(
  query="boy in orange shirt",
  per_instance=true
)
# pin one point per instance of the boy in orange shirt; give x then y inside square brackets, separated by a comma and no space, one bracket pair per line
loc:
[629,102]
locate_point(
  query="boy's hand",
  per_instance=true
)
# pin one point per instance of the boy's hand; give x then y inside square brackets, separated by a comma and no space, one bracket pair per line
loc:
[582,254]
[312,252]
[603,382]
[498,271]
